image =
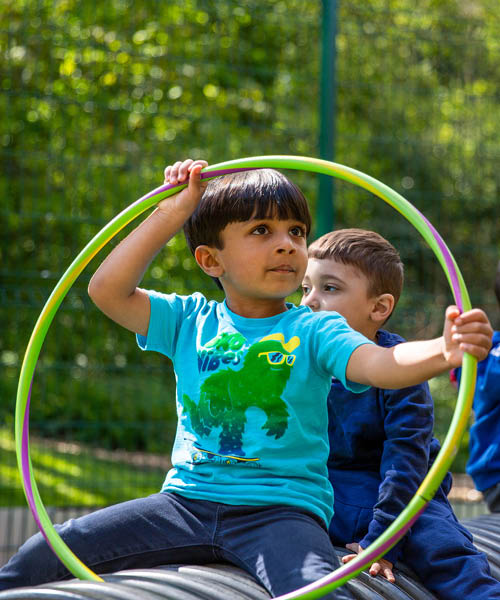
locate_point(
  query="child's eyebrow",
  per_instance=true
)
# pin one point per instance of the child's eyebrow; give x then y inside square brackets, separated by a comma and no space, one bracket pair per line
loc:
[330,277]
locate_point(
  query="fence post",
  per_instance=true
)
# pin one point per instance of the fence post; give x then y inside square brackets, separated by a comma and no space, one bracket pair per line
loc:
[325,206]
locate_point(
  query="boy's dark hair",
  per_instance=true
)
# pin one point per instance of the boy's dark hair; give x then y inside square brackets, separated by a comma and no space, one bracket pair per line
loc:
[497,283]
[368,251]
[237,197]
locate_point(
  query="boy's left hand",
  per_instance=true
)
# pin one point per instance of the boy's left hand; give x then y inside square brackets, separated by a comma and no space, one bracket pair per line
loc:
[380,567]
[469,332]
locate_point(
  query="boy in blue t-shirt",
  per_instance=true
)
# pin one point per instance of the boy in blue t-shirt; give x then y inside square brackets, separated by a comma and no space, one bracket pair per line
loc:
[381,443]
[249,482]
[484,437]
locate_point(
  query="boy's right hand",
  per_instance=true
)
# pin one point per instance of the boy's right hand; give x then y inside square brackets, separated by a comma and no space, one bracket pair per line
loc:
[381,567]
[186,201]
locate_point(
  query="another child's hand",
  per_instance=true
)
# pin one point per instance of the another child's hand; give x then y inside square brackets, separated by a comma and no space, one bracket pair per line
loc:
[180,172]
[382,566]
[469,332]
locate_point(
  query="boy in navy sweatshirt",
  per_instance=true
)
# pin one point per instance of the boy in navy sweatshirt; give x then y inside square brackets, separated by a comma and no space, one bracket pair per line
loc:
[484,447]
[381,442]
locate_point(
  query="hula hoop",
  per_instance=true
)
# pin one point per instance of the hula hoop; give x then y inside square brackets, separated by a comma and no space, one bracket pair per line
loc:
[460,416]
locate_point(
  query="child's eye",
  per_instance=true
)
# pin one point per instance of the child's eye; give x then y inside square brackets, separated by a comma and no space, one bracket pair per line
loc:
[298,231]
[329,287]
[260,230]
[305,289]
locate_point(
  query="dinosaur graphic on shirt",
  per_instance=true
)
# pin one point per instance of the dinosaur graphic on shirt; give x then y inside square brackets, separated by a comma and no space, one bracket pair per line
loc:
[226,394]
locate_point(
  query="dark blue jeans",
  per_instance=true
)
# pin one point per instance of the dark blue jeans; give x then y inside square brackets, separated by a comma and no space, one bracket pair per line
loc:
[284,548]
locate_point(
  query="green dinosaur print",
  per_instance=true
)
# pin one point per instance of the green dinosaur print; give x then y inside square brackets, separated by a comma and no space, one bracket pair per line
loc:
[226,395]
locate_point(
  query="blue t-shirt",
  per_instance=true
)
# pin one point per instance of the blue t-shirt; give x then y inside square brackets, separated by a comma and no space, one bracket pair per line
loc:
[251,400]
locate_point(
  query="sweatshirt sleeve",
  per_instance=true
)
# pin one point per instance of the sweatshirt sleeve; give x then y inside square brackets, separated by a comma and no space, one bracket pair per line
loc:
[408,426]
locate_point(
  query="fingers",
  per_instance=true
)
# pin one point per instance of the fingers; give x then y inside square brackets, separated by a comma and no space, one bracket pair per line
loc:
[473,343]
[355,547]
[473,332]
[172,173]
[452,312]
[475,314]
[348,557]
[383,568]
[180,171]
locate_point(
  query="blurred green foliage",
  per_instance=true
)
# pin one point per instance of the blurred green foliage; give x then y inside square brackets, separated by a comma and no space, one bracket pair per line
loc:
[96,98]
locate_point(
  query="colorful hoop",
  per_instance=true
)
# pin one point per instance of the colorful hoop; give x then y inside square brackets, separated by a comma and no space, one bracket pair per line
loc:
[450,446]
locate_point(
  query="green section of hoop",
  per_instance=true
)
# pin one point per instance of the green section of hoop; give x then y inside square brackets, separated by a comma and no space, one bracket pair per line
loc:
[461,413]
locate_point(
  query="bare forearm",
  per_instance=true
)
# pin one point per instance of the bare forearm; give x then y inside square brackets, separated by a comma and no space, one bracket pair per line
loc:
[113,288]
[124,268]
[415,362]
[400,366]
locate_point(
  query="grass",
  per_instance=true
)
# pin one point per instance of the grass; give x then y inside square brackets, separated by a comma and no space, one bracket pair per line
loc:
[77,475]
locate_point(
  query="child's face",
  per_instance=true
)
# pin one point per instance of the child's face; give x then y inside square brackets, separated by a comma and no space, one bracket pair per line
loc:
[332,285]
[262,259]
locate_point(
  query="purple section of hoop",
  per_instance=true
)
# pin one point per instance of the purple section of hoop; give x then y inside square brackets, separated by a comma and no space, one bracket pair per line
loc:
[210,174]
[25,463]
[449,263]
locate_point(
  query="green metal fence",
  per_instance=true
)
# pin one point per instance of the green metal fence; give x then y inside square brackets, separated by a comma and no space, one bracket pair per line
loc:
[96,98]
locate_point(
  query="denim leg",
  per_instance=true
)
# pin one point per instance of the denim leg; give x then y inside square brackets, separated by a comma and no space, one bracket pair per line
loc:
[440,551]
[160,529]
[282,547]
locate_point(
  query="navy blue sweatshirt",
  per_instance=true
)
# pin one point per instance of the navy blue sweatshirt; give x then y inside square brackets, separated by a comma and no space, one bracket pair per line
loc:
[381,448]
[484,442]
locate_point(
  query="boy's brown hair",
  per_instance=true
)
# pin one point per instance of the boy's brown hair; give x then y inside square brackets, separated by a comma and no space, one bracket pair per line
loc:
[369,252]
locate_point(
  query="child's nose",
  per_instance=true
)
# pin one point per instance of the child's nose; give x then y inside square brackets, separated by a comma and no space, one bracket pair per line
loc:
[286,245]
[311,300]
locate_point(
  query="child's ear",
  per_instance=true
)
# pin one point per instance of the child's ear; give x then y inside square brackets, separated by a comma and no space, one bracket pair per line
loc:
[207,259]
[382,308]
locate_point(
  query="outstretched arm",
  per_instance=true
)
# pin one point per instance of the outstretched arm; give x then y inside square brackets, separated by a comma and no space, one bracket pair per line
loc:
[113,288]
[414,362]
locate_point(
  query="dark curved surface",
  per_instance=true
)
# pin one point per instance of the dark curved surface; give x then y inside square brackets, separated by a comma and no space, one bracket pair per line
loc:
[209,582]
[225,582]
[486,532]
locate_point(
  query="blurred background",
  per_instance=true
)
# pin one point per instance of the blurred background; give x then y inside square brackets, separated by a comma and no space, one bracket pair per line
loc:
[97,98]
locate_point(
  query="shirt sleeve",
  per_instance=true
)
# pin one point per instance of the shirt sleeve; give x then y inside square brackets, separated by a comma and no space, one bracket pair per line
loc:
[334,343]
[408,426]
[168,313]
